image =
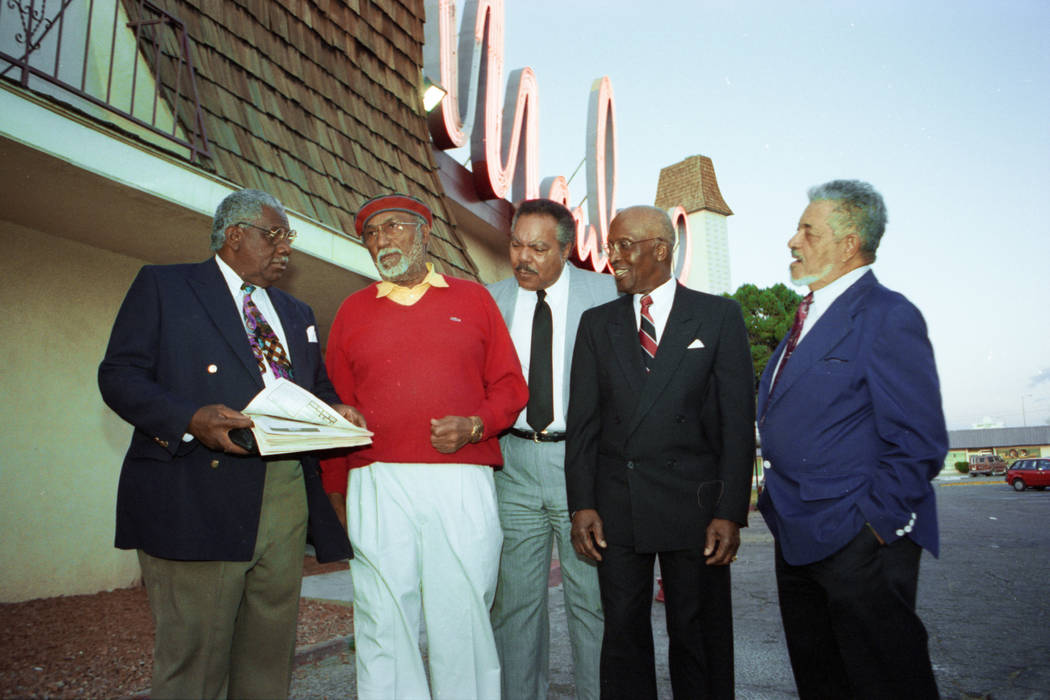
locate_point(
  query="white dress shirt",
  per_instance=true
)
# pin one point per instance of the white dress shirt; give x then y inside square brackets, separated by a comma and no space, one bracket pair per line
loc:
[521,333]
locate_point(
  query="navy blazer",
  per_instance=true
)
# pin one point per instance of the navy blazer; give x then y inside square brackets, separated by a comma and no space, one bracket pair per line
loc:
[178,343]
[854,432]
[660,454]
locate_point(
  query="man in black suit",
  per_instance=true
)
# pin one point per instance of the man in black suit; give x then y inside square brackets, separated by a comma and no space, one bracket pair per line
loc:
[659,455]
[220,533]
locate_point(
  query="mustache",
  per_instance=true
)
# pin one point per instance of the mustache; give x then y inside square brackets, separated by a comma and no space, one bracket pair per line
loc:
[525,268]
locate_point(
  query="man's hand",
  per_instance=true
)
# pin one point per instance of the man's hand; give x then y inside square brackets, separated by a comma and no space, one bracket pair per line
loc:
[586,533]
[351,414]
[450,433]
[211,425]
[723,539]
[338,502]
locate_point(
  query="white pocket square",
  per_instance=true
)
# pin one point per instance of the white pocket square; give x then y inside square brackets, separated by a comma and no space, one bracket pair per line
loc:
[311,334]
[697,343]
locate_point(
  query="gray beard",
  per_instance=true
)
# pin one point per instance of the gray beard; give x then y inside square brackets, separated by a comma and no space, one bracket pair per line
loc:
[396,273]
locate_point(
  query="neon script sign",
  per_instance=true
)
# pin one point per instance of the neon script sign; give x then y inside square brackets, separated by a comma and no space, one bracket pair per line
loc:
[504,152]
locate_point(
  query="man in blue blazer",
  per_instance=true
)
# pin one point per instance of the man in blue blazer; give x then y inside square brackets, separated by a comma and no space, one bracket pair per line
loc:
[849,412]
[531,485]
[220,532]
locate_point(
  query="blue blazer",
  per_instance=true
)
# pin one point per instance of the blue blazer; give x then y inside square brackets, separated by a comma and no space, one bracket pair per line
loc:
[178,343]
[854,432]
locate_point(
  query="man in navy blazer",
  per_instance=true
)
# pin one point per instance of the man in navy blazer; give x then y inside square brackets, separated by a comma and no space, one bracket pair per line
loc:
[220,532]
[658,463]
[852,431]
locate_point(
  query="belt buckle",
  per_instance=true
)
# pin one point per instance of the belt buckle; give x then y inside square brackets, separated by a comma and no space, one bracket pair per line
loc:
[536,436]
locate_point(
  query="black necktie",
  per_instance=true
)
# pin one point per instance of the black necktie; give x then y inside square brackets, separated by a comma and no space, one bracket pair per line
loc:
[540,411]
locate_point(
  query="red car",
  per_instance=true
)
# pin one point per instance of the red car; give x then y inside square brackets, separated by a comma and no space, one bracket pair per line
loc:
[1029,473]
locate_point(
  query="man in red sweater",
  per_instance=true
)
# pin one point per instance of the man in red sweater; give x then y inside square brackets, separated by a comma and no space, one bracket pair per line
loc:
[428,361]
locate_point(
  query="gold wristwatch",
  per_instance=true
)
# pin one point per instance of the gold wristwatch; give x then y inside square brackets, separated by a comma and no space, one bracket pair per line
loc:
[477,429]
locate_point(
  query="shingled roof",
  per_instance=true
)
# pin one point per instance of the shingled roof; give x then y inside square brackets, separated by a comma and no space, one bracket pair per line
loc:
[691,183]
[317,102]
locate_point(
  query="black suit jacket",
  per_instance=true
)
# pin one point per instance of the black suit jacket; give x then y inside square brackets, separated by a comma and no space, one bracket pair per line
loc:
[178,343]
[659,455]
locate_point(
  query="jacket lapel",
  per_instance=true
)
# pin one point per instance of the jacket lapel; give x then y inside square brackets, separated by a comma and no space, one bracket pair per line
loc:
[767,376]
[506,296]
[210,286]
[579,301]
[834,325]
[682,327]
[623,339]
[294,332]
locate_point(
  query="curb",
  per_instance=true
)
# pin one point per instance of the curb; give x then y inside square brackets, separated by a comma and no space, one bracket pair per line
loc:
[322,650]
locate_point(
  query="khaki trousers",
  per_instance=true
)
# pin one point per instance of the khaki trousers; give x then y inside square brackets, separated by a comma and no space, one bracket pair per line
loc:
[227,629]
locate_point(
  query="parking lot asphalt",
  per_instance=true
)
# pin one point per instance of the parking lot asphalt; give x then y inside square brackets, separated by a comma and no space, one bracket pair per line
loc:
[985,603]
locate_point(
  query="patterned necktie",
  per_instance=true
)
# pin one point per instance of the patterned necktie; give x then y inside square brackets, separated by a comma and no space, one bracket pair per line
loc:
[266,346]
[540,410]
[793,336]
[647,333]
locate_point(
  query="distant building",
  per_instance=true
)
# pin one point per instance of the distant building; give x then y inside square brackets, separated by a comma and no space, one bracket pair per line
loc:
[691,183]
[1008,443]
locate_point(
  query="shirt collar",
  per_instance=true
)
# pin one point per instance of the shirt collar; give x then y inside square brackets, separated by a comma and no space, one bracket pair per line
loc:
[828,294]
[663,296]
[233,280]
[406,296]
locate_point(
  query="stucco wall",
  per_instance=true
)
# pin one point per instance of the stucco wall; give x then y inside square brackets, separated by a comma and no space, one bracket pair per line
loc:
[60,446]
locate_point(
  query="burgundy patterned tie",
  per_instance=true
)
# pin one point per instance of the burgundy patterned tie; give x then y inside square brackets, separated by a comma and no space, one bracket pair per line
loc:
[647,333]
[266,346]
[793,336]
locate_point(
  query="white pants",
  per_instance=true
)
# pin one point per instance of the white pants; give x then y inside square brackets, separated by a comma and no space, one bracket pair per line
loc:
[426,538]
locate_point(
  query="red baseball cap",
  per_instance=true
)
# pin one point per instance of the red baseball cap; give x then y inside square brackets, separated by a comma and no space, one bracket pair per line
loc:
[391,202]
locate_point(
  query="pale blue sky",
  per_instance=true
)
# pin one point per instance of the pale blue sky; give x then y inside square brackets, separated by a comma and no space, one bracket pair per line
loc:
[943,106]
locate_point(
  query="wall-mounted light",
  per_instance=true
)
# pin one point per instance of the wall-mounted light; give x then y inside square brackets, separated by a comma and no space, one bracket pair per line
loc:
[432,94]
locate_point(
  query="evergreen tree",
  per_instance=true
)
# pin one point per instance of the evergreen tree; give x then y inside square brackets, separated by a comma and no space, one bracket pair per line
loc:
[768,314]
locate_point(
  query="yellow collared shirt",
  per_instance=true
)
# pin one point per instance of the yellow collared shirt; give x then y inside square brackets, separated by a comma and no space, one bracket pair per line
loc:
[407,296]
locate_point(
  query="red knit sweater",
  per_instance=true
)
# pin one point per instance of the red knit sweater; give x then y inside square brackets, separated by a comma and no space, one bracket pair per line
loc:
[449,354]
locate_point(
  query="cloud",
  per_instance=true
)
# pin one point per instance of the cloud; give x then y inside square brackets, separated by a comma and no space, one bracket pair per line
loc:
[1041,376]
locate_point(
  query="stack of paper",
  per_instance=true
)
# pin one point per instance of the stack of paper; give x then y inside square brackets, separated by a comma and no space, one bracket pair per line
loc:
[288,418]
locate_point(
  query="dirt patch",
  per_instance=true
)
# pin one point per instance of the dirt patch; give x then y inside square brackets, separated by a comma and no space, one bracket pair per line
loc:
[101,645]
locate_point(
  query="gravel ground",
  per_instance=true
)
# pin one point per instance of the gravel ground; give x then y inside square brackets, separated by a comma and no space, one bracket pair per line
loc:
[101,645]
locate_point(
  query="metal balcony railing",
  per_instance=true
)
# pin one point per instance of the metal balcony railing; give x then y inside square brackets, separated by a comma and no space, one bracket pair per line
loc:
[125,58]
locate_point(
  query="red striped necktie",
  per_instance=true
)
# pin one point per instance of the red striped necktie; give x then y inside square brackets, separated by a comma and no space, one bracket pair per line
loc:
[647,333]
[793,336]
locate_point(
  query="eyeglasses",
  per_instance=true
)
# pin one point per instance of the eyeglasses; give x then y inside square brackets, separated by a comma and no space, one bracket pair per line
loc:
[624,245]
[390,228]
[274,235]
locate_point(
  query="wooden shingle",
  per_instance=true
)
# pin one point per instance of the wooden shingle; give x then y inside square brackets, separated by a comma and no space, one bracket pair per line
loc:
[317,102]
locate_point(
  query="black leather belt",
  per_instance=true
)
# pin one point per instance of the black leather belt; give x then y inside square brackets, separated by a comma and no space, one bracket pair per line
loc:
[543,436]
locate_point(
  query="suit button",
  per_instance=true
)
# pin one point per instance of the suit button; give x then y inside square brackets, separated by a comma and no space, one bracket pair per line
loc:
[672,462]
[630,464]
[215,464]
[679,419]
[162,443]
[767,464]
